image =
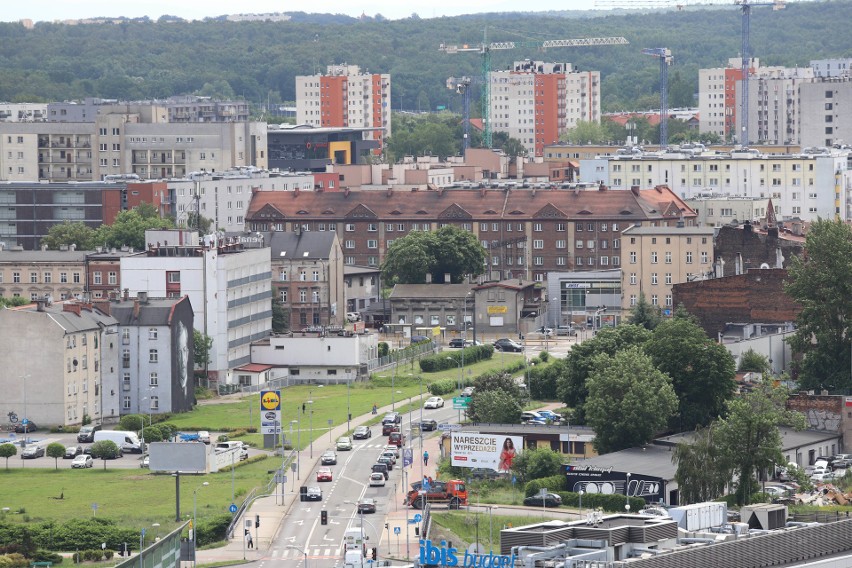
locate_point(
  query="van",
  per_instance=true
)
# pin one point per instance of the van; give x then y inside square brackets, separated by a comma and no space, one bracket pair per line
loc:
[87,433]
[126,441]
[382,468]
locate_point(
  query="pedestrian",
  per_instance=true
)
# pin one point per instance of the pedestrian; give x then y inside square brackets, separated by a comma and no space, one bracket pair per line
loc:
[426,458]
[303,408]
[375,408]
[250,541]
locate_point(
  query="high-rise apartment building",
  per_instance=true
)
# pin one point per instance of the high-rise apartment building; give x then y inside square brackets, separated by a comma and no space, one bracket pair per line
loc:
[345,97]
[535,102]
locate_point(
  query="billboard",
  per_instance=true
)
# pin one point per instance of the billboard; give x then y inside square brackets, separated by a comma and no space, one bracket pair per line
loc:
[270,412]
[594,479]
[489,451]
[178,456]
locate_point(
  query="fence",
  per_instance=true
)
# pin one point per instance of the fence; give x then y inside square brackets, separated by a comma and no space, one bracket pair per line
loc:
[403,355]
[165,553]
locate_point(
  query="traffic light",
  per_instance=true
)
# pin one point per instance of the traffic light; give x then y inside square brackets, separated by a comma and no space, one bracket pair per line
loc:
[375,553]
[416,530]
[256,521]
[387,528]
[323,517]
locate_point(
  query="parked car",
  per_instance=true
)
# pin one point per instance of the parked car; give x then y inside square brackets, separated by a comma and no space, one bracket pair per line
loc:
[468,391]
[72,452]
[429,425]
[550,415]
[82,461]
[329,458]
[21,428]
[204,436]
[244,454]
[434,402]
[566,330]
[390,454]
[367,505]
[397,439]
[392,448]
[381,468]
[484,473]
[506,344]
[146,462]
[313,493]
[457,343]
[377,479]
[324,474]
[532,417]
[344,444]
[352,317]
[549,500]
[545,331]
[87,433]
[362,433]
[32,452]
[419,339]
[387,460]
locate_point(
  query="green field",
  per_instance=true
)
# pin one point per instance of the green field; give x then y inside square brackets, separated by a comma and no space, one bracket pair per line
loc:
[465,526]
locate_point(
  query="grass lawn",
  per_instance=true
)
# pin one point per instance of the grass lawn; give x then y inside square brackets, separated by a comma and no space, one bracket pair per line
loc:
[463,525]
[134,498]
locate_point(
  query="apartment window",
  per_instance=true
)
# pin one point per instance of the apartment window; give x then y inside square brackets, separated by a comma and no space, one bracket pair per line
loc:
[153,379]
[350,227]
[668,277]
[633,278]
[538,244]
[560,261]
[97,278]
[604,261]
[669,300]
[561,244]
[632,300]
[33,277]
[633,258]
[372,243]
[152,333]
[372,227]
[372,261]
[283,294]
[173,277]
[653,258]
[303,276]
[560,227]
[113,278]
[668,257]
[153,356]
[579,244]
[704,257]
[315,296]
[155,402]
[400,227]
[125,402]
[47,277]
[538,260]
[303,296]
[63,277]
[654,278]
[537,227]
[655,301]
[350,244]
[689,257]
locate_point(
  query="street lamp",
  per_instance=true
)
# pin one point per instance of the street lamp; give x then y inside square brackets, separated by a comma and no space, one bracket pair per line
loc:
[298,446]
[26,420]
[300,549]
[627,495]
[194,523]
[311,421]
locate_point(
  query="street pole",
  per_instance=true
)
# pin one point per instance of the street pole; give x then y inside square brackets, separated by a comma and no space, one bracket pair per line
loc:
[627,495]
[311,419]
[194,522]
[348,407]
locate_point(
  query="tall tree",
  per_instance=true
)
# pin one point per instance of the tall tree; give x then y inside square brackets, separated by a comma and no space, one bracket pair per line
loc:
[749,435]
[629,400]
[571,385]
[702,370]
[821,282]
[280,315]
[68,233]
[753,362]
[703,469]
[449,250]
[130,226]
[494,406]
[644,314]
[202,343]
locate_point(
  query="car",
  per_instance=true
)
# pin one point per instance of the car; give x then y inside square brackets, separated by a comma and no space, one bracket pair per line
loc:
[419,339]
[381,468]
[390,454]
[549,500]
[566,330]
[775,490]
[387,460]
[550,415]
[506,344]
[352,317]
[392,448]
[324,474]
[429,425]
[32,452]
[377,479]
[244,454]
[204,436]
[87,433]
[397,439]
[468,391]
[329,458]
[344,444]
[312,493]
[458,343]
[146,462]
[21,428]
[434,402]
[545,331]
[82,461]
[532,417]
[72,452]
[484,473]
[367,505]
[362,433]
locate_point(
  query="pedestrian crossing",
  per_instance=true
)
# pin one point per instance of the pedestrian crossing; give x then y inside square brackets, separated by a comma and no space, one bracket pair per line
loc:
[313,552]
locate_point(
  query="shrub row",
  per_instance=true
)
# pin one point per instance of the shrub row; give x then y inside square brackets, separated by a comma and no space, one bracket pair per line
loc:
[13,560]
[92,555]
[609,503]
[554,484]
[74,534]
[252,459]
[443,361]
[443,386]
[213,530]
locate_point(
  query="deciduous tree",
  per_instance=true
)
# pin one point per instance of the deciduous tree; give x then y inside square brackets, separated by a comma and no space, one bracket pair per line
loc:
[449,250]
[703,468]
[644,314]
[7,451]
[105,450]
[494,406]
[55,450]
[821,282]
[67,233]
[629,400]
[537,463]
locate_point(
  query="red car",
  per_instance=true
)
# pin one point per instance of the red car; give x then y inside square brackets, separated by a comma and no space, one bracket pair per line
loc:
[324,474]
[396,439]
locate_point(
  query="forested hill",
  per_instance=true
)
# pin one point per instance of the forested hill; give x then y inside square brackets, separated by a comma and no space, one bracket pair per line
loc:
[142,59]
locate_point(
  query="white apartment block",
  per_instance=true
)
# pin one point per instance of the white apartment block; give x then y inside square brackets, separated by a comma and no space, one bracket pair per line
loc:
[22,112]
[717,97]
[535,102]
[229,287]
[801,186]
[345,97]
[825,116]
[774,108]
[728,209]
[832,67]
[224,198]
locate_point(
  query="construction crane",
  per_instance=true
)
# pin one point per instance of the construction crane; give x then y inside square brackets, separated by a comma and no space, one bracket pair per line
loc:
[485,48]
[461,85]
[665,56]
[745,7]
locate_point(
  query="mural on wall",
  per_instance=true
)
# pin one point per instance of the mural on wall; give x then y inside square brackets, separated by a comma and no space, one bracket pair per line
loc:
[823,420]
[593,479]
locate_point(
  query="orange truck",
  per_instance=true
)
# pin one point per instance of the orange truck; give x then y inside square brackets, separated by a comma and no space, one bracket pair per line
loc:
[451,493]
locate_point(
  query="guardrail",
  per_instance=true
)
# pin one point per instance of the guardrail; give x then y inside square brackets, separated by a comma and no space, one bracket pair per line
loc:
[427,521]
[242,509]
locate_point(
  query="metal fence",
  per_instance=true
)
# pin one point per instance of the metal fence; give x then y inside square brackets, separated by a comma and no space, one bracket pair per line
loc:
[403,355]
[164,553]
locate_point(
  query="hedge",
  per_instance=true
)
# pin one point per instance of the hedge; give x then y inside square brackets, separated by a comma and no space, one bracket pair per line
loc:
[443,386]
[613,503]
[213,530]
[444,360]
[553,484]
[75,534]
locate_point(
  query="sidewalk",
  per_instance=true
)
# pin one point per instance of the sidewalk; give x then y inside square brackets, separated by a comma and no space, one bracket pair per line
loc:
[272,510]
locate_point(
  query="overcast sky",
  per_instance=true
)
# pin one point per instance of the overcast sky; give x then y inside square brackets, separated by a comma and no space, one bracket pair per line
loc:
[48,10]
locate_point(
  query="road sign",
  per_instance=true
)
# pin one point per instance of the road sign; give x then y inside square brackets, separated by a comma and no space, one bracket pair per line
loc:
[418,517]
[280,478]
[94,506]
[232,508]
[25,421]
[397,530]
[407,457]
[460,402]
[143,533]
[449,427]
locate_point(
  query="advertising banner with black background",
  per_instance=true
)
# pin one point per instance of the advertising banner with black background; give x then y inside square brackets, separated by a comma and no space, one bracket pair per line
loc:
[593,479]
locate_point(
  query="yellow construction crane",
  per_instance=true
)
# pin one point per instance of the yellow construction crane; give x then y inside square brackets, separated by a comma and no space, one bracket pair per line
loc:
[485,48]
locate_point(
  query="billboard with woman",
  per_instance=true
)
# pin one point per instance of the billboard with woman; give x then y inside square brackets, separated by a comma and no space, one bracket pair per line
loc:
[489,451]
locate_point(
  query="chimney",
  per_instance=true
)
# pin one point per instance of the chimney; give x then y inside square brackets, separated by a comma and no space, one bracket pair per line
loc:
[634,189]
[143,297]
[126,294]
[72,307]
[72,247]
[390,192]
[103,306]
[136,309]
[40,304]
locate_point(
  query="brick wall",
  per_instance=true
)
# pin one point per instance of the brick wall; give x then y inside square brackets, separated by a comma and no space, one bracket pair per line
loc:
[753,248]
[825,412]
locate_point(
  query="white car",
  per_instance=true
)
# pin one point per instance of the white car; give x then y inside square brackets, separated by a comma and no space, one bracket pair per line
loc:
[82,461]
[392,448]
[352,317]
[204,436]
[434,402]
[377,480]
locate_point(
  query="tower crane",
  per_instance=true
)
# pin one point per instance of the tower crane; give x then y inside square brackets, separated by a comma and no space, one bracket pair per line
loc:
[665,56]
[461,85]
[485,48]
[745,7]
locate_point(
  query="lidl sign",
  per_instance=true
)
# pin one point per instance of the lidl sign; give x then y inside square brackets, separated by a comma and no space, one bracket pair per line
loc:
[270,400]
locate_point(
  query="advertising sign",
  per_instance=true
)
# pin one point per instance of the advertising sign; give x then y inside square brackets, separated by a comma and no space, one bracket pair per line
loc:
[593,479]
[489,451]
[492,310]
[270,412]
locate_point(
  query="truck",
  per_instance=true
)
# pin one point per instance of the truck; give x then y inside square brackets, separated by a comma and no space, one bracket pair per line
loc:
[127,442]
[452,493]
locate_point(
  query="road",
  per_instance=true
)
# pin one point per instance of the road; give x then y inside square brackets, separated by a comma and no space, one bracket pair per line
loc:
[301,532]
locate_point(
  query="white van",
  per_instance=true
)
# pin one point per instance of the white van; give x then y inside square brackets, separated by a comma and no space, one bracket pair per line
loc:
[127,441]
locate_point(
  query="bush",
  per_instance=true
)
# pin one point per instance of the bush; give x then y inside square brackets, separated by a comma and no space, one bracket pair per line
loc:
[443,361]
[609,503]
[153,434]
[384,349]
[544,356]
[131,422]
[554,484]
[46,556]
[108,554]
[443,386]
[213,530]
[93,555]
[14,560]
